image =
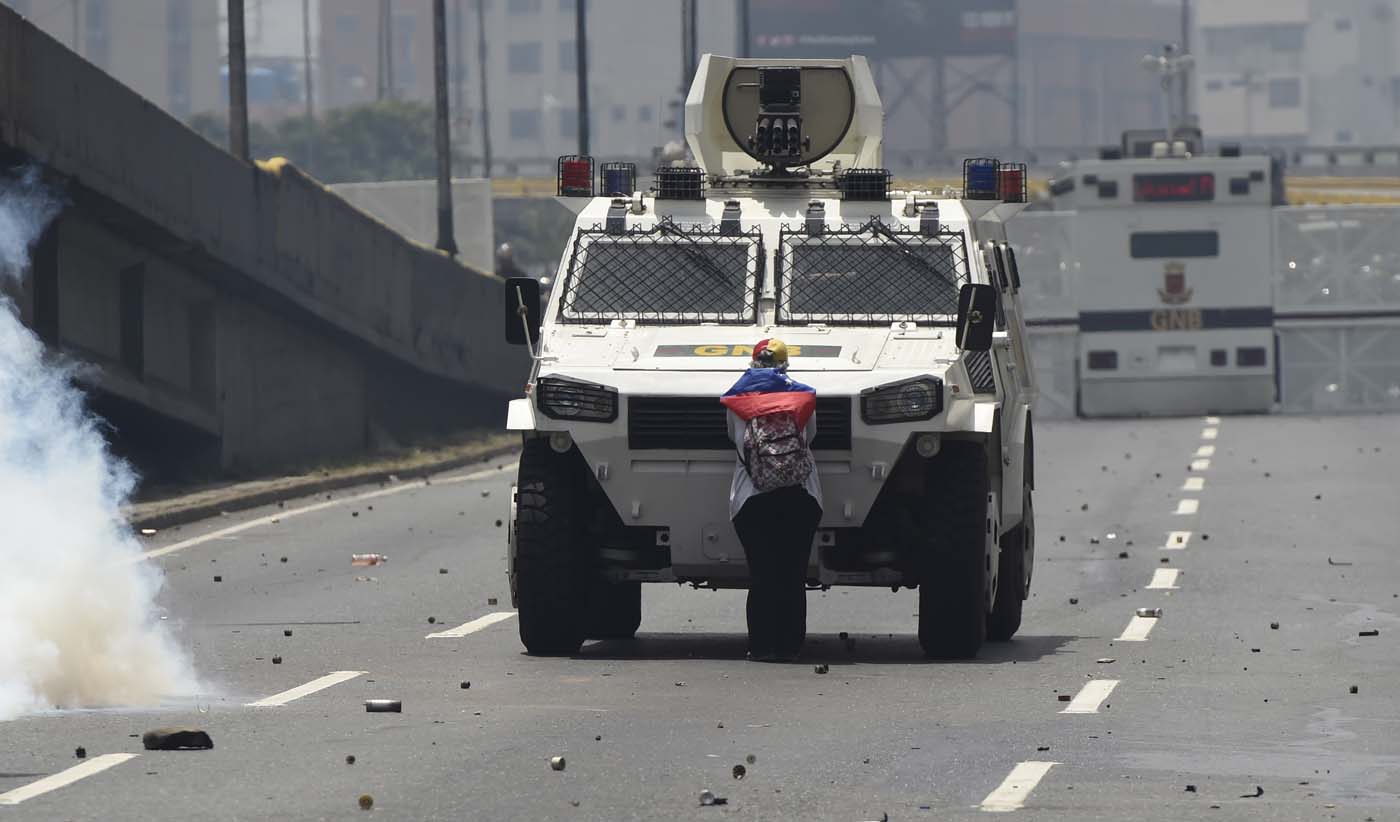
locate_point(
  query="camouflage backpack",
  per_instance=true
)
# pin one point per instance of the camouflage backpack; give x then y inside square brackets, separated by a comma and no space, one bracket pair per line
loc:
[775,452]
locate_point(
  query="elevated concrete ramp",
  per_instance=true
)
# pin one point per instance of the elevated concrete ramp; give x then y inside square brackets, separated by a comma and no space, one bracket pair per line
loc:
[246,303]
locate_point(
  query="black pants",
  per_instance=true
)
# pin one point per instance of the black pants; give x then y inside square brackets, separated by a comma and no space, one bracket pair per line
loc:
[776,530]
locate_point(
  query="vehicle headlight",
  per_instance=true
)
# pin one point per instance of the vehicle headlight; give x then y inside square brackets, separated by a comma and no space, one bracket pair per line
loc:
[908,401]
[565,399]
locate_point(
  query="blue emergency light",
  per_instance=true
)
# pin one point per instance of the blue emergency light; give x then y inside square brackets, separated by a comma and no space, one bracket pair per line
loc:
[981,179]
[617,179]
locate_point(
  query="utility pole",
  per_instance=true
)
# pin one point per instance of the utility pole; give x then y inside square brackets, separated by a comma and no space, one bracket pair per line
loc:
[581,45]
[237,82]
[386,50]
[688,55]
[445,241]
[743,14]
[1185,49]
[310,93]
[485,96]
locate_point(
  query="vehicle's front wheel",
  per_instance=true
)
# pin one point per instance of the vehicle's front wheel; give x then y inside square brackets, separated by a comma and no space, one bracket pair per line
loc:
[1017,551]
[551,566]
[953,571]
[614,610]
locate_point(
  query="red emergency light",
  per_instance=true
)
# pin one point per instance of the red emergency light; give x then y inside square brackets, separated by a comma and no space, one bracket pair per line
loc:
[1011,182]
[575,176]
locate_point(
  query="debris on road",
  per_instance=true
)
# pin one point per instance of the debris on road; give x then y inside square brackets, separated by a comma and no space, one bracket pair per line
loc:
[176,739]
[466,685]
[218,578]
[349,759]
[1074,600]
[286,632]
[680,684]
[432,620]
[1258,792]
[442,570]
[1331,561]
[1354,689]
[1150,613]
[821,669]
[707,798]
[1064,697]
[277,660]
[490,600]
[1273,626]
[368,559]
[557,763]
[498,523]
[1107,660]
[283,559]
[1190,788]
[1372,632]
[485,492]
[750,759]
[80,752]
[366,802]
[1042,748]
[1122,554]
[366,579]
[740,771]
[383,706]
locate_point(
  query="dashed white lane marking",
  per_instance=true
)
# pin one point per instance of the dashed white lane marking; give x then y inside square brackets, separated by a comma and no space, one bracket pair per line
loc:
[1209,433]
[1200,465]
[1177,540]
[1138,629]
[1206,451]
[307,509]
[1212,420]
[97,764]
[1011,794]
[320,684]
[1187,506]
[1164,579]
[1091,696]
[1194,484]
[473,626]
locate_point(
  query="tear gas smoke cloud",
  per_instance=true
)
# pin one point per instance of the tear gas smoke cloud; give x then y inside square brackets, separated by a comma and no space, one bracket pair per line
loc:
[78,620]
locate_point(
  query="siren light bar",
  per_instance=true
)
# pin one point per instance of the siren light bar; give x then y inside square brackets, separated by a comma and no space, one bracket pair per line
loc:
[575,176]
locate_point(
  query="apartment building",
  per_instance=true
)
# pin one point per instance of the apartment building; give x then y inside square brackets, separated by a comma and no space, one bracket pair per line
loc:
[168,51]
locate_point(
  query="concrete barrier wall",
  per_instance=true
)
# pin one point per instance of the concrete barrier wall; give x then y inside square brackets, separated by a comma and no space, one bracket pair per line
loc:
[273,226]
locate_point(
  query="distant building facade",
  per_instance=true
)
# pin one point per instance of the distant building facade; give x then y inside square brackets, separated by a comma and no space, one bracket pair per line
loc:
[1299,72]
[168,51]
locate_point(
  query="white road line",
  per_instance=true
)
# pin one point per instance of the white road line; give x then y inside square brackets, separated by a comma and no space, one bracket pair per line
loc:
[473,626]
[1177,540]
[1011,794]
[1210,433]
[1212,420]
[1138,629]
[307,509]
[1206,451]
[1200,465]
[97,764]
[1091,696]
[1194,484]
[1187,506]
[1164,579]
[333,678]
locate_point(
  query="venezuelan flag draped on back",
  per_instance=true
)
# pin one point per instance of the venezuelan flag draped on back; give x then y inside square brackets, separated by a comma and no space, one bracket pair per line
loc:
[762,391]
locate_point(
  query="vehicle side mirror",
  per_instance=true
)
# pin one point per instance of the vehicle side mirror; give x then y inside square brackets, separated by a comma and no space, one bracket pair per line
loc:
[977,310]
[522,310]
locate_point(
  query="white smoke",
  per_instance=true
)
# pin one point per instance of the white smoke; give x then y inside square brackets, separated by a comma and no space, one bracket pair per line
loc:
[78,620]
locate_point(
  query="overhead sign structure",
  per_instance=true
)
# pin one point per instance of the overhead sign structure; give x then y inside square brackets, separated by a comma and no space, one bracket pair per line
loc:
[895,28]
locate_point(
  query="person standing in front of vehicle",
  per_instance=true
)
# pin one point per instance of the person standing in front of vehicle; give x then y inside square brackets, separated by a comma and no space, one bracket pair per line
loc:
[775,499]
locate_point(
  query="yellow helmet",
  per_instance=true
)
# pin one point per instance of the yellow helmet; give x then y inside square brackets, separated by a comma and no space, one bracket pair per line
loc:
[770,353]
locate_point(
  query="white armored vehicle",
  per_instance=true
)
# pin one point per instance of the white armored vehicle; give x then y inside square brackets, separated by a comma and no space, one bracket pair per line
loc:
[900,308]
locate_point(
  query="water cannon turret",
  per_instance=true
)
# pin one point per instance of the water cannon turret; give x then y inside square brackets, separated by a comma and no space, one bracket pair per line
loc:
[768,116]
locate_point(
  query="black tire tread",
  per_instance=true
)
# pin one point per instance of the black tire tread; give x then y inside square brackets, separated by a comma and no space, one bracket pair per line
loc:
[952,605]
[1005,619]
[548,563]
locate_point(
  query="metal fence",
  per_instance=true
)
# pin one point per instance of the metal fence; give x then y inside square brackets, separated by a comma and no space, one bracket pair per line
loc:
[1336,306]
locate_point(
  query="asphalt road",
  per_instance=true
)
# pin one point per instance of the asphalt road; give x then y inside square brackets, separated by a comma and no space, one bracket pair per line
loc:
[1294,522]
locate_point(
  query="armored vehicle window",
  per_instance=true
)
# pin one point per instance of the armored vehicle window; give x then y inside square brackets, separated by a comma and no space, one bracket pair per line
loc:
[870,275]
[667,274]
[1156,244]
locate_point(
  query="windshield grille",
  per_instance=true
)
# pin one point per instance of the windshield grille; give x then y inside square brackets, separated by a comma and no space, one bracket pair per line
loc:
[700,423]
[871,274]
[664,274]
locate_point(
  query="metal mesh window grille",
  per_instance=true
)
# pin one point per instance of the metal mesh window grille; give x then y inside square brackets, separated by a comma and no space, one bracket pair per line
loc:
[667,273]
[870,274]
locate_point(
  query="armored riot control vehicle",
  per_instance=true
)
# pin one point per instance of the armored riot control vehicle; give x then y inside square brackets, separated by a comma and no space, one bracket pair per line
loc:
[901,308]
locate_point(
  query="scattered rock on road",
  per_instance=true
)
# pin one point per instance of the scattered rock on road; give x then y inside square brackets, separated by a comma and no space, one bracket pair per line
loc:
[366,802]
[286,632]
[1258,792]
[1273,625]
[80,752]
[821,669]
[1372,632]
[349,759]
[557,763]
[490,600]
[740,771]
[277,660]
[383,706]
[176,739]
[466,685]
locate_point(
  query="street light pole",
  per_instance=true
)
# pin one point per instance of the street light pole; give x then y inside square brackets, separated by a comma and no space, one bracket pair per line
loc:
[310,93]
[581,45]
[237,82]
[445,241]
[485,95]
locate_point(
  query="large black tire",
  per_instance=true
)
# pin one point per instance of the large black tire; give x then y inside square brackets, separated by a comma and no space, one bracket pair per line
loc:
[551,565]
[614,610]
[1013,575]
[952,584]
